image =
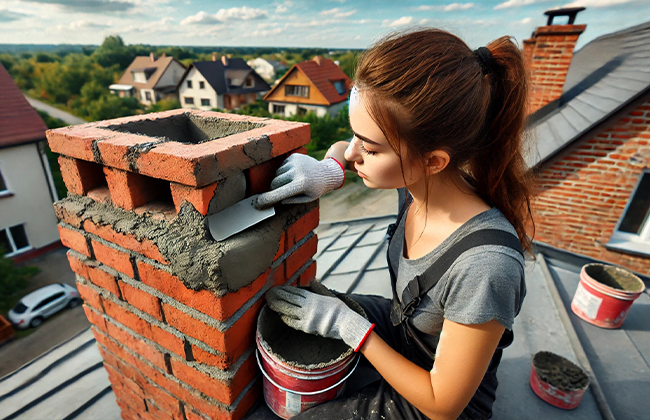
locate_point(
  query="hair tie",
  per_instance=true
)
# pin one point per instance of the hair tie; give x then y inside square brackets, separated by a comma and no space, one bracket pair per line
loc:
[485,60]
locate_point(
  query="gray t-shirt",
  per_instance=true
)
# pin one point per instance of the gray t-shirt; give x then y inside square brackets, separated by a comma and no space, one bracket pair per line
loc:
[484,283]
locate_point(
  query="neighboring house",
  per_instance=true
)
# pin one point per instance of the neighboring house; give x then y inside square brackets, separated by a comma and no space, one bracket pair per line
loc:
[317,85]
[227,83]
[592,151]
[150,79]
[27,221]
[266,68]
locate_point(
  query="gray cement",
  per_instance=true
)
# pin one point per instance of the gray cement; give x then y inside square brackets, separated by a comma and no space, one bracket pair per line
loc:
[559,372]
[228,192]
[198,260]
[186,128]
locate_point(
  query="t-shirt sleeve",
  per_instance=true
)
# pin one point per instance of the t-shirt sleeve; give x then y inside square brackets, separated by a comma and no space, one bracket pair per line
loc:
[483,286]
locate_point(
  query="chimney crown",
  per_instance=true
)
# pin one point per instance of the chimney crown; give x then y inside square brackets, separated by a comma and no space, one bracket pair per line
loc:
[571,12]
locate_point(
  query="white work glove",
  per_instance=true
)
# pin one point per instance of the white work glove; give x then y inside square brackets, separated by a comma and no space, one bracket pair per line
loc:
[316,314]
[302,178]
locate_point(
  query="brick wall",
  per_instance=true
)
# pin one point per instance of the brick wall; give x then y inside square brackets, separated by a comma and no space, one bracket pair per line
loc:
[173,313]
[549,52]
[583,191]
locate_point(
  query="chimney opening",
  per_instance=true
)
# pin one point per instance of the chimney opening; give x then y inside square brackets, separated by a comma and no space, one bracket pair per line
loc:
[186,128]
[571,12]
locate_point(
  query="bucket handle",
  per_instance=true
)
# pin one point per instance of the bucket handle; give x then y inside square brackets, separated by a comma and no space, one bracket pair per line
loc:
[257,356]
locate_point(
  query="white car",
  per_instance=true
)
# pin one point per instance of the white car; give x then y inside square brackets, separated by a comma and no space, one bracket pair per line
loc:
[34,308]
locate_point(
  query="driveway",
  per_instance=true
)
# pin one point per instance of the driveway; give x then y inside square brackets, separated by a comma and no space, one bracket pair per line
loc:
[56,329]
[54,112]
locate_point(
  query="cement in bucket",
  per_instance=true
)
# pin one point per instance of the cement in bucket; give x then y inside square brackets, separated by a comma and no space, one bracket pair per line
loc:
[605,294]
[300,370]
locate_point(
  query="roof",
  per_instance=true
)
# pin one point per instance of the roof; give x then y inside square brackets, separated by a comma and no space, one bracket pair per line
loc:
[37,295]
[351,257]
[322,72]
[216,74]
[144,63]
[605,75]
[19,122]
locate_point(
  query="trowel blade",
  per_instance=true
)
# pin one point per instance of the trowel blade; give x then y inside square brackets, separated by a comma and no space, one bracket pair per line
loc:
[238,217]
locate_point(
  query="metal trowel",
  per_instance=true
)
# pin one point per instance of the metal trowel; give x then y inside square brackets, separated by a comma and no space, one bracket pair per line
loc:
[236,218]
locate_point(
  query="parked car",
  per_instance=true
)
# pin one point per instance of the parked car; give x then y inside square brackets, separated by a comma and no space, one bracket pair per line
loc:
[34,308]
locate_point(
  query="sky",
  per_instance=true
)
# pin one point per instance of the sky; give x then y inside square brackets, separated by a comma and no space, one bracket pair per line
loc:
[308,23]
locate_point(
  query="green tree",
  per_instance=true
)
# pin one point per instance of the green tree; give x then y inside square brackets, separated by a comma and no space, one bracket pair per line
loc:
[164,105]
[13,281]
[110,106]
[113,51]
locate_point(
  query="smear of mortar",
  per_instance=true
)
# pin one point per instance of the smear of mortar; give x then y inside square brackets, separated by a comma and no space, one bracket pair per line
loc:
[195,258]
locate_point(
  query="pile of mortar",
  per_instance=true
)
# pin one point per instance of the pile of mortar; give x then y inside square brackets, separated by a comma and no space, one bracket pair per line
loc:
[299,349]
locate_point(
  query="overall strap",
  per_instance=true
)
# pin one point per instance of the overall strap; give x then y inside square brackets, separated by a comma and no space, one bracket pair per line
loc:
[420,285]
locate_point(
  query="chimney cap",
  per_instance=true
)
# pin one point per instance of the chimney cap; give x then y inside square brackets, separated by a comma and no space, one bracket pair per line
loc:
[571,12]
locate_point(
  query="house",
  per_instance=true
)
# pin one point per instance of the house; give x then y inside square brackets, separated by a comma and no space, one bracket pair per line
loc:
[150,79]
[266,68]
[227,83]
[28,225]
[591,122]
[317,85]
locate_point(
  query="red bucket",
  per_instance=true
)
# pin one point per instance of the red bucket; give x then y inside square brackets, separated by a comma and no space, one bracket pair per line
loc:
[605,294]
[548,368]
[289,387]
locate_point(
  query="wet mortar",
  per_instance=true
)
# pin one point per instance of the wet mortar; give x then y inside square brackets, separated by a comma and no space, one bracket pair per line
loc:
[559,372]
[186,128]
[298,349]
[194,257]
[615,278]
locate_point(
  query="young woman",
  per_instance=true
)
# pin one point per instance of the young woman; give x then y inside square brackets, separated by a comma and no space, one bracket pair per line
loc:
[444,122]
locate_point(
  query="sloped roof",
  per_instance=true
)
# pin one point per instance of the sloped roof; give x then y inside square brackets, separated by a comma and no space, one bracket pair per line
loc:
[19,122]
[216,74]
[605,75]
[322,75]
[144,63]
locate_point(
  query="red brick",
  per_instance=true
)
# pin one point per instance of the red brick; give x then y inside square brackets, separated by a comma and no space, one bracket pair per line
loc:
[76,141]
[80,176]
[141,300]
[308,275]
[89,296]
[259,177]
[226,393]
[199,197]
[167,340]
[137,345]
[113,258]
[205,301]
[239,337]
[95,318]
[127,318]
[74,240]
[302,227]
[145,247]
[130,190]
[220,361]
[103,279]
[300,256]
[77,266]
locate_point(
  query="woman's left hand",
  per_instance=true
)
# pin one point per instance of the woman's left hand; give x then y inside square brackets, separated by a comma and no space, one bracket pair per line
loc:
[316,314]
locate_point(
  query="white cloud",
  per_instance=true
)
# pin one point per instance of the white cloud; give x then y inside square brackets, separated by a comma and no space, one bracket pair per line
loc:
[525,21]
[225,15]
[82,24]
[448,7]
[597,3]
[336,12]
[264,33]
[513,3]
[403,21]
[9,16]
[283,7]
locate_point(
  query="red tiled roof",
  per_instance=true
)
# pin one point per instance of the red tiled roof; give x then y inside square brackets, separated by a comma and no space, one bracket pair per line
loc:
[19,122]
[323,76]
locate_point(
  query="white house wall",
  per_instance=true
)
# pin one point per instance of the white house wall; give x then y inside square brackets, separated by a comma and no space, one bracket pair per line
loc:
[197,93]
[31,203]
[320,111]
[172,75]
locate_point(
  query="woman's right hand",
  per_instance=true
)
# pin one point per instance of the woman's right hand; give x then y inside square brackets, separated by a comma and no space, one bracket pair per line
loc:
[302,179]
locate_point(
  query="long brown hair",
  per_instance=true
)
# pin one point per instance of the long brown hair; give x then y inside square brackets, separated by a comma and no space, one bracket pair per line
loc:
[426,89]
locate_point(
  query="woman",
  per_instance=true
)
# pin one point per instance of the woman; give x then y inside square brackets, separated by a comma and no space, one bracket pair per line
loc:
[445,122]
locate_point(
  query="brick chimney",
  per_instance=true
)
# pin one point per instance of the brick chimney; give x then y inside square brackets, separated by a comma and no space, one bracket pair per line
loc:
[152,57]
[548,54]
[173,311]
[224,60]
[318,59]
[214,56]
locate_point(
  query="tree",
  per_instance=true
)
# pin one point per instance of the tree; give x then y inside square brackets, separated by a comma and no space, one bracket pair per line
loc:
[113,51]
[13,280]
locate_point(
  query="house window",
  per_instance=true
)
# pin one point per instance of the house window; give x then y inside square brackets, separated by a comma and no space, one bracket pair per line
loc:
[189,101]
[291,90]
[633,230]
[3,186]
[189,84]
[14,239]
[147,95]
[249,82]
[278,109]
[205,102]
[339,85]
[201,85]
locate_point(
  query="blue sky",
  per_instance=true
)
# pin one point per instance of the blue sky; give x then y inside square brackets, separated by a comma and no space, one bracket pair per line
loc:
[308,23]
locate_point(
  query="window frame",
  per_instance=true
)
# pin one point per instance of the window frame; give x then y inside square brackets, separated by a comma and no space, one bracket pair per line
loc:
[147,95]
[206,99]
[284,108]
[342,84]
[15,251]
[6,192]
[201,84]
[189,84]
[190,102]
[249,82]
[299,89]
[630,242]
